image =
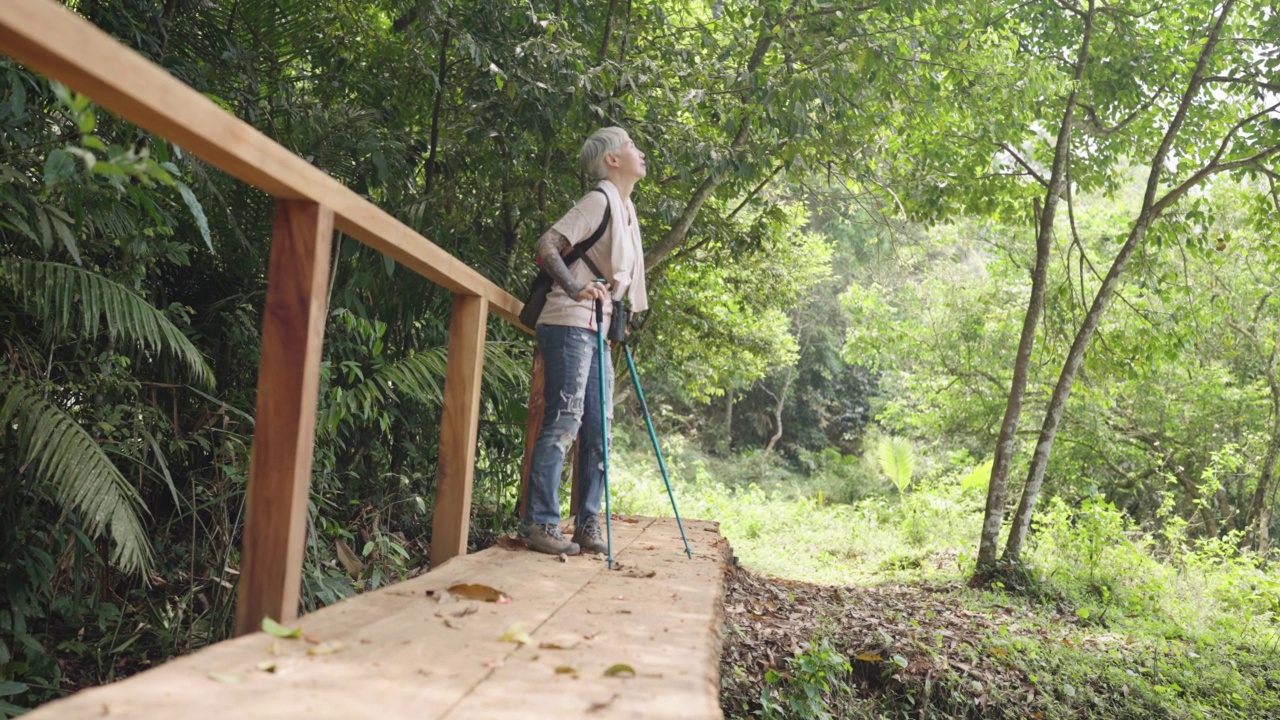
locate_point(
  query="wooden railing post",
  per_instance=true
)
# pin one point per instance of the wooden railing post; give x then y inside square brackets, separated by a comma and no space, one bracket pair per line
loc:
[285,424]
[459,428]
[532,426]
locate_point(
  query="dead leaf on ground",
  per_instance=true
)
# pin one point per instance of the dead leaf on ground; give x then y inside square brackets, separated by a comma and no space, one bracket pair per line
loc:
[601,704]
[224,677]
[473,591]
[566,670]
[620,670]
[450,625]
[441,596]
[638,573]
[327,647]
[350,561]
[567,642]
[268,666]
[511,542]
[313,639]
[275,629]
[516,633]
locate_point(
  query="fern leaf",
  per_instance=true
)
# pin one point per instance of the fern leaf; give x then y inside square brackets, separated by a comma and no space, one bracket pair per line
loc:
[76,300]
[61,453]
[421,376]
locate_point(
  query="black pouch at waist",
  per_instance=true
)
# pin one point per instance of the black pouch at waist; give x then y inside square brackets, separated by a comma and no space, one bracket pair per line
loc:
[621,316]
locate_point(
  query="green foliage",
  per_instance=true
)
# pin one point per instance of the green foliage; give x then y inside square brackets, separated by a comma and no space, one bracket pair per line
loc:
[59,452]
[71,302]
[814,681]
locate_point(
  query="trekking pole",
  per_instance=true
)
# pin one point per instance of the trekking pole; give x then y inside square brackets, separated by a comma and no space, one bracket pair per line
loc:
[604,424]
[648,420]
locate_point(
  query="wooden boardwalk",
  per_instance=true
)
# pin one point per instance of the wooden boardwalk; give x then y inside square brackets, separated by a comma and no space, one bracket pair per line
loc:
[400,652]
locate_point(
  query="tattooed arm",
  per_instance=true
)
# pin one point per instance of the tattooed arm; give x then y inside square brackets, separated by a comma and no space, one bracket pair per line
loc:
[549,248]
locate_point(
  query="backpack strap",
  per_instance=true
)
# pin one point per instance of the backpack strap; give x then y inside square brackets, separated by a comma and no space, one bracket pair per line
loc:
[580,250]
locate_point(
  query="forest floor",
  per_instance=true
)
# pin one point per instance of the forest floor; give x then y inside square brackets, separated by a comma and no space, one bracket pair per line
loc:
[800,650]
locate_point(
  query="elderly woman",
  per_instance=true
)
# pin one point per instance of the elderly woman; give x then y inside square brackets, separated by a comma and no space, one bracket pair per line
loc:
[567,331]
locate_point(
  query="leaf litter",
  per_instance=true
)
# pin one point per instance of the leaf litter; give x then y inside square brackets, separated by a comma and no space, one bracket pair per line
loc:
[899,638]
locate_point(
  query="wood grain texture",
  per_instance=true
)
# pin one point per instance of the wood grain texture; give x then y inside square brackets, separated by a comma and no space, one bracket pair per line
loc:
[458,428]
[285,421]
[404,654]
[52,40]
[532,425]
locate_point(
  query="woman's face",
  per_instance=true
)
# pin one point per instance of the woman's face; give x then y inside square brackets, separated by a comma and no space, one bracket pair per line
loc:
[630,160]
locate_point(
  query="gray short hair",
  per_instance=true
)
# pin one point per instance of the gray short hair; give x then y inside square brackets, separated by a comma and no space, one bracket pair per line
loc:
[601,143]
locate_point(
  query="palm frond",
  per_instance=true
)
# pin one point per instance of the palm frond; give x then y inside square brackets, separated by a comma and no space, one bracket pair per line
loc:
[63,454]
[897,458]
[420,375]
[76,300]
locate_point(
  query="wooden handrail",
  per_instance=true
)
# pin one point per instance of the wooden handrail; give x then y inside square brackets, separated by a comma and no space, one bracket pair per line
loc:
[50,39]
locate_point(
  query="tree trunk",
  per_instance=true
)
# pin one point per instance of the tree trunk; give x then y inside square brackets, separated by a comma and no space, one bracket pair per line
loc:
[993,515]
[728,420]
[1062,390]
[435,112]
[1260,511]
[777,412]
[608,30]
[1151,209]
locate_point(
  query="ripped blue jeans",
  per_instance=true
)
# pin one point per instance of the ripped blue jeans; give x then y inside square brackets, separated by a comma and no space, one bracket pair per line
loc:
[572,395]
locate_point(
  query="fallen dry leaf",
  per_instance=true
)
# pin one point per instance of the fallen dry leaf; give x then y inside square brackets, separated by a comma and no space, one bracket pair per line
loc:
[516,633]
[267,666]
[224,677]
[565,643]
[600,705]
[566,670]
[620,670]
[511,542]
[477,592]
[327,647]
[275,629]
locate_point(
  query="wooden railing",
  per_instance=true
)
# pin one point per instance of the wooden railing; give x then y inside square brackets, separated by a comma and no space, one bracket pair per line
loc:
[310,205]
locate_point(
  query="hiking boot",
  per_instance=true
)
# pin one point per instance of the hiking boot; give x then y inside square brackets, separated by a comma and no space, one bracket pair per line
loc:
[589,535]
[548,539]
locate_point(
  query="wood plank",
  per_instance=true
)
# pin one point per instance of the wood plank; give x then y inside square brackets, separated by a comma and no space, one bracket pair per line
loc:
[455,468]
[404,654]
[285,420]
[49,38]
[665,626]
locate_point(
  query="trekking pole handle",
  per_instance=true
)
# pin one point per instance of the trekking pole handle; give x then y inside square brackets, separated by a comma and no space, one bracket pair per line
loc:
[600,306]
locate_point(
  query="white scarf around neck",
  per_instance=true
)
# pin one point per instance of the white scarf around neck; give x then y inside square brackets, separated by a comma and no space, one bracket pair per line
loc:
[627,252]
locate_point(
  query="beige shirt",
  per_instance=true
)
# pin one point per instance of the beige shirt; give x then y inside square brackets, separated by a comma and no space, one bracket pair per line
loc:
[577,225]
